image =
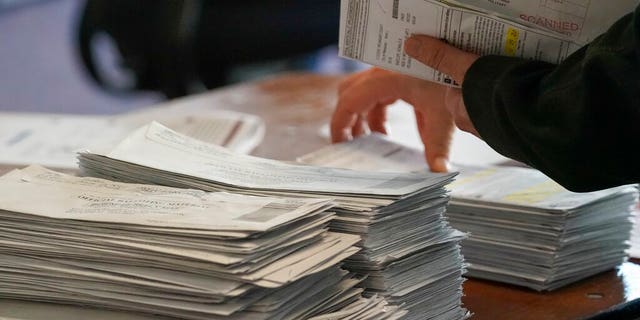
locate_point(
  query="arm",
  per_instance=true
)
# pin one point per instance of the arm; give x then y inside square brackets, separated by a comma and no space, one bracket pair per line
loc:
[578,122]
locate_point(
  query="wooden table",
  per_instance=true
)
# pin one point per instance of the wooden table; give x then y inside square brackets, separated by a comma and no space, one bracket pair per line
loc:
[296,106]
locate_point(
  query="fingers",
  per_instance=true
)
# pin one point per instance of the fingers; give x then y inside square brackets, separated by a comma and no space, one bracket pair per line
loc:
[440,56]
[436,131]
[341,125]
[361,95]
[363,100]
[359,128]
[377,118]
[344,123]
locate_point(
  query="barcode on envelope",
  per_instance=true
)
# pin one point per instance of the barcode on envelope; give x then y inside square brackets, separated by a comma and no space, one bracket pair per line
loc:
[356,21]
[396,6]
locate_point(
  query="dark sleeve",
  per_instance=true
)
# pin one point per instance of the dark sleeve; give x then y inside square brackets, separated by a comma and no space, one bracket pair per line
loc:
[578,122]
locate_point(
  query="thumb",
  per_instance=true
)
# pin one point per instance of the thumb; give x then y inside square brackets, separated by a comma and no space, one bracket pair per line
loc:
[439,55]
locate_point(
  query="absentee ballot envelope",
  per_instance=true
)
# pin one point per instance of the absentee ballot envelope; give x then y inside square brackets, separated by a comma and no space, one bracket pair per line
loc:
[374,32]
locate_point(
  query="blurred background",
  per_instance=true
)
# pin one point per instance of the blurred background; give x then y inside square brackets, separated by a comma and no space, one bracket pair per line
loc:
[111,56]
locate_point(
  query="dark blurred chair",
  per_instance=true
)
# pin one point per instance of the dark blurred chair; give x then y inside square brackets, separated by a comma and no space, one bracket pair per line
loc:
[179,47]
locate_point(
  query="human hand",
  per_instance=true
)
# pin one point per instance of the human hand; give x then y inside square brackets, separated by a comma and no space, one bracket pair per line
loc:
[363,100]
[364,97]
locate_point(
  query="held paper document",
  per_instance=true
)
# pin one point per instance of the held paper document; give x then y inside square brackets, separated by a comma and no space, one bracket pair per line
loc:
[374,32]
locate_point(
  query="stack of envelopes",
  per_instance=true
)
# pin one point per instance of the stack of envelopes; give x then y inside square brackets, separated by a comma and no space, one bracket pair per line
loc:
[524,228]
[369,308]
[410,255]
[528,230]
[173,252]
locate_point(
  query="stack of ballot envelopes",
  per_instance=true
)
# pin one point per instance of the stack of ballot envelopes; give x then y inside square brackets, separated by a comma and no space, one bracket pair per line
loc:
[410,256]
[524,228]
[175,252]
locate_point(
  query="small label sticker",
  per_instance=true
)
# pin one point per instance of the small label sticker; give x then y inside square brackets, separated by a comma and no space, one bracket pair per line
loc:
[511,43]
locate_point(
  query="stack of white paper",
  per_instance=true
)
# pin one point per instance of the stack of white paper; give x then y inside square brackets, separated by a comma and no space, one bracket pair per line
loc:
[528,230]
[53,139]
[524,228]
[173,252]
[373,308]
[410,254]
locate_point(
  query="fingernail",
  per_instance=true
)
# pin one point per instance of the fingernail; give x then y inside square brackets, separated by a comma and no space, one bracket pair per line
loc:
[442,164]
[412,47]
